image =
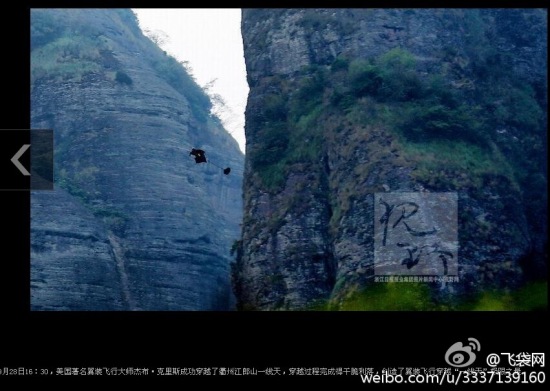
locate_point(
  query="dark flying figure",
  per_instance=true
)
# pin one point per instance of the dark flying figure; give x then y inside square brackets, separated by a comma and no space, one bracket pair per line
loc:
[200,157]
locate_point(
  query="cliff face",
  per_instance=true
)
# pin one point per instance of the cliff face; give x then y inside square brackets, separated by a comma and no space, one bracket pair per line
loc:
[134,223]
[348,103]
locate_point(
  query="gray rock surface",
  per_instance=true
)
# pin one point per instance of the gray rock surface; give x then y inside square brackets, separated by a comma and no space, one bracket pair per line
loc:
[83,268]
[134,223]
[312,239]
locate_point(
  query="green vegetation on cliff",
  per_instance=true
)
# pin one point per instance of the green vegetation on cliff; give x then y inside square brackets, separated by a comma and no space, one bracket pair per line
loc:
[406,296]
[67,47]
[452,125]
[422,101]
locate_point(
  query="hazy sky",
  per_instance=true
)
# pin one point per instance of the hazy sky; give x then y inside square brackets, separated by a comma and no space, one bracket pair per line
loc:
[210,40]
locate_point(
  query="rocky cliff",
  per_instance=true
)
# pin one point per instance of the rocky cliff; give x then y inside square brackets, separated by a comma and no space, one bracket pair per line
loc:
[133,223]
[349,103]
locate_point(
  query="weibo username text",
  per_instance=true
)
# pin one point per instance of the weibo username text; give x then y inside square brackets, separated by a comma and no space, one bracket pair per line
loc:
[456,377]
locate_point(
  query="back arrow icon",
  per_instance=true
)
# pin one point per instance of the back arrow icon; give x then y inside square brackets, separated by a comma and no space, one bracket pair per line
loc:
[15,159]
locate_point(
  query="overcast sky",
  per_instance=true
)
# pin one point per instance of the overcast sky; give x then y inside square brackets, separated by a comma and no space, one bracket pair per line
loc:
[210,40]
